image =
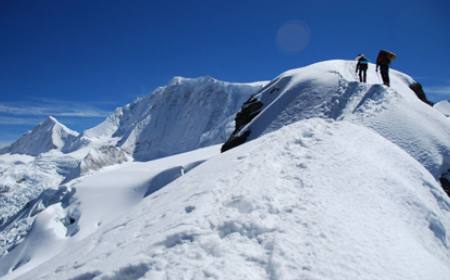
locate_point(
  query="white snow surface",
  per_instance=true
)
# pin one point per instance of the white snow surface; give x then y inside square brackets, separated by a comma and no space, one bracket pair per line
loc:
[98,200]
[47,136]
[304,202]
[22,180]
[443,107]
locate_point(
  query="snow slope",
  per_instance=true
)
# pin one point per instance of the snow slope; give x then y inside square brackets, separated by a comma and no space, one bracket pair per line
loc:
[88,203]
[443,107]
[304,202]
[22,179]
[184,115]
[47,136]
[330,90]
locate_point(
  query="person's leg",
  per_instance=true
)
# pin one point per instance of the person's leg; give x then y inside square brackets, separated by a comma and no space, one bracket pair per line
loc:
[365,76]
[360,75]
[388,82]
[385,74]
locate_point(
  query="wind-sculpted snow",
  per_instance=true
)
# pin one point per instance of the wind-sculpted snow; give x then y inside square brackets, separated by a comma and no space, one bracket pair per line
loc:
[304,202]
[330,90]
[85,205]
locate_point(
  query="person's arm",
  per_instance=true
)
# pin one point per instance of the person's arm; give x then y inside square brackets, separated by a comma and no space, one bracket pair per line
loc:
[357,67]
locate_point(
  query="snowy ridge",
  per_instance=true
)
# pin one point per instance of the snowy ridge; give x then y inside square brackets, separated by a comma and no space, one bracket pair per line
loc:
[47,136]
[330,90]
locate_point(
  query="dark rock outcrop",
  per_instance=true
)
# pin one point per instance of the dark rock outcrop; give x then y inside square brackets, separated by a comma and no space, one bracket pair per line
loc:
[420,93]
[250,109]
[234,141]
[445,182]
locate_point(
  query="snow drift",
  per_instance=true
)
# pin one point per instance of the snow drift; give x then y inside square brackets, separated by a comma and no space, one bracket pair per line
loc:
[58,220]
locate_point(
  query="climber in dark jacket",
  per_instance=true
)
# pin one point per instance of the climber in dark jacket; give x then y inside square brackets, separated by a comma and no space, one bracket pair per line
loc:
[361,68]
[383,60]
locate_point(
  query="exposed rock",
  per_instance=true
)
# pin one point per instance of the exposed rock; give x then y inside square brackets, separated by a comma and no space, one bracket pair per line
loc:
[250,109]
[418,90]
[445,182]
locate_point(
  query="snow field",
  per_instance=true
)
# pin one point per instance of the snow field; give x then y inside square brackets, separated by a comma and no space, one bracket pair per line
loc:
[98,200]
[301,203]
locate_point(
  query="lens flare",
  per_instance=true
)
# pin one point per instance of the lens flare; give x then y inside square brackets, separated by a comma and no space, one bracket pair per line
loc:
[293,37]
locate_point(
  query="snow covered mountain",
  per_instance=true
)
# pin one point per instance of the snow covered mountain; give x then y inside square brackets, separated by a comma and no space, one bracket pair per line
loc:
[182,116]
[334,180]
[47,136]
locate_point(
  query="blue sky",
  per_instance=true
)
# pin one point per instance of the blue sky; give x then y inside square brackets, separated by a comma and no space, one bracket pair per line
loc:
[78,60]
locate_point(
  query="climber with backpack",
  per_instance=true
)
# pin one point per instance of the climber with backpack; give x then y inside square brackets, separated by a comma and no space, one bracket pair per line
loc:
[384,59]
[361,67]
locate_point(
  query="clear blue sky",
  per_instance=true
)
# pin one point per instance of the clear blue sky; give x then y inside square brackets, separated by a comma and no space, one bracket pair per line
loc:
[80,59]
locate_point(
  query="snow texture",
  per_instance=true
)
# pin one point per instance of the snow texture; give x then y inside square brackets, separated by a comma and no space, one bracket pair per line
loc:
[60,220]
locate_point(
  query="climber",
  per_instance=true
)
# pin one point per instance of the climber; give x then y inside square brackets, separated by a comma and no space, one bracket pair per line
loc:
[383,60]
[361,67]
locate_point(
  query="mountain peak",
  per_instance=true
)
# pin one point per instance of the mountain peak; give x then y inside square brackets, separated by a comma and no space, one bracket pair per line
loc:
[48,135]
[55,123]
[198,111]
[51,119]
